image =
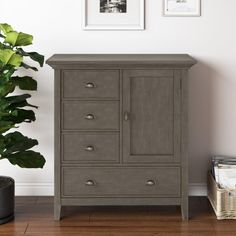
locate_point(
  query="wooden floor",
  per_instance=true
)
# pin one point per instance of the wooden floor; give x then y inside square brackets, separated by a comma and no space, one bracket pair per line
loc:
[34,216]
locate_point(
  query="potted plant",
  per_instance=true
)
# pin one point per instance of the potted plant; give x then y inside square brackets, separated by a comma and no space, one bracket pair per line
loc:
[15,109]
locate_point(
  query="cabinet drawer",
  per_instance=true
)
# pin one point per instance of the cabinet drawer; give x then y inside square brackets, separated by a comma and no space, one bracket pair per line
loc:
[91,84]
[104,181]
[90,147]
[97,115]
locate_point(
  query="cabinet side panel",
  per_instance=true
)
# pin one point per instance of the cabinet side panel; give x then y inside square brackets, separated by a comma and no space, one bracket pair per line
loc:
[57,143]
[184,144]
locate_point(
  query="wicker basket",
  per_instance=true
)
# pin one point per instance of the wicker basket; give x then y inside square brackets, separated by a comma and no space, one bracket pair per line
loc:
[223,201]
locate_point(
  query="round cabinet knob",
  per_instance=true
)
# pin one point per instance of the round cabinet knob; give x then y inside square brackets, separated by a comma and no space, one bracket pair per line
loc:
[90,117]
[150,183]
[89,183]
[90,85]
[89,148]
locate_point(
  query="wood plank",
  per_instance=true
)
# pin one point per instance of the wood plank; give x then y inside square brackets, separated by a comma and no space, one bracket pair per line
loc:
[16,227]
[34,216]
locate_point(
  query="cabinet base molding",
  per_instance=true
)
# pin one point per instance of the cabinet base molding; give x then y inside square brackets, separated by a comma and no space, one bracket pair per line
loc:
[120,201]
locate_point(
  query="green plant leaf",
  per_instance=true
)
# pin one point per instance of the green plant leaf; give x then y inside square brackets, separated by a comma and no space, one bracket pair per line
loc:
[37,57]
[4,113]
[5,126]
[18,39]
[5,55]
[5,28]
[18,98]
[10,103]
[1,68]
[15,60]
[28,67]
[14,146]
[6,72]
[8,56]
[25,83]
[19,101]
[16,142]
[21,115]
[26,159]
[33,55]
[10,109]
[4,105]
[6,88]
[4,46]
[2,144]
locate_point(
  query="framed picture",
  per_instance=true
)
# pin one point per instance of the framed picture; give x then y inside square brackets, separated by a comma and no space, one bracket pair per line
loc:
[113,14]
[182,8]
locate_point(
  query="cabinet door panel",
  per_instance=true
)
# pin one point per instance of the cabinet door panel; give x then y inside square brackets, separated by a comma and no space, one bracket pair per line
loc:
[151,127]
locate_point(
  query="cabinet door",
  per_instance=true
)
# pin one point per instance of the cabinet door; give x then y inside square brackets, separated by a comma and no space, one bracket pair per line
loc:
[151,110]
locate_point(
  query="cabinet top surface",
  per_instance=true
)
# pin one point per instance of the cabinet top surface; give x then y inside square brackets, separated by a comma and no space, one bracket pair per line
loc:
[112,59]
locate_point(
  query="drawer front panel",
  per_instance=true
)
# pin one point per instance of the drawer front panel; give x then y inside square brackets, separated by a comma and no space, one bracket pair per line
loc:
[91,84]
[90,147]
[105,181]
[91,115]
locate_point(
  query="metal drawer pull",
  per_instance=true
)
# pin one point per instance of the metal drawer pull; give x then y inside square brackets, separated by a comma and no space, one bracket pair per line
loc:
[90,117]
[89,183]
[89,148]
[126,116]
[150,183]
[90,85]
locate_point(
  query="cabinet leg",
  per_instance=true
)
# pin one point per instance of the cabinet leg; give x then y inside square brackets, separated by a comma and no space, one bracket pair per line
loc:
[57,212]
[185,211]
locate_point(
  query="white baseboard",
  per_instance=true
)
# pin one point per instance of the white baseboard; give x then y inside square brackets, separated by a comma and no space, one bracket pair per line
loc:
[47,189]
[197,189]
[34,189]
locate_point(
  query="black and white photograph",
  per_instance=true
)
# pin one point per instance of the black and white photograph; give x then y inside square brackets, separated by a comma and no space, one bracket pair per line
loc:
[113,14]
[113,6]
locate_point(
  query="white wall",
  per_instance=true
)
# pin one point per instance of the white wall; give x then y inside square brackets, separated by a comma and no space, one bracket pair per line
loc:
[56,25]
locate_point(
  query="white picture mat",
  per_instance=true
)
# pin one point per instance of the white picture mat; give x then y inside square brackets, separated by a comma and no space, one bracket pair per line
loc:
[188,8]
[94,19]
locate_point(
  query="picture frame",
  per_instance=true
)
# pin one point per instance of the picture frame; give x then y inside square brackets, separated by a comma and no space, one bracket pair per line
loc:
[182,8]
[113,14]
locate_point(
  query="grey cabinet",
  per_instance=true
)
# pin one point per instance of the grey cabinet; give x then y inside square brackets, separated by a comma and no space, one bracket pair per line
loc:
[121,130]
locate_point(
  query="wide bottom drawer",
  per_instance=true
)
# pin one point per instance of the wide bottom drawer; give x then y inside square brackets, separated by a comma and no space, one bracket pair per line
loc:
[125,181]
